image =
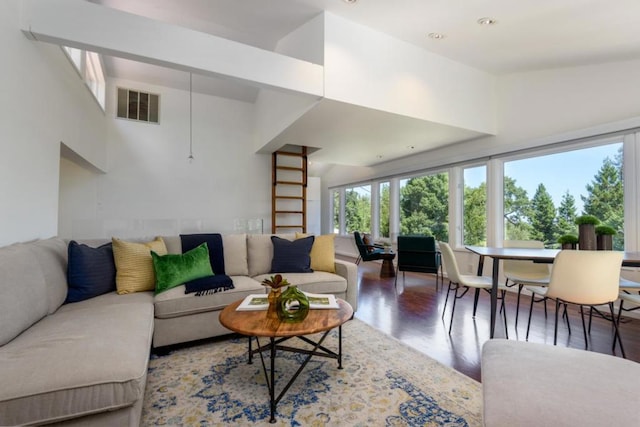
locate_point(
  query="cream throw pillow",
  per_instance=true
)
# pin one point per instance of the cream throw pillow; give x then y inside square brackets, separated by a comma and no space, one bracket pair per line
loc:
[323,253]
[134,266]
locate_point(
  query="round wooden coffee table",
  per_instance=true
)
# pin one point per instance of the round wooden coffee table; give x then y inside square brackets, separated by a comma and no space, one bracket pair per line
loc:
[255,324]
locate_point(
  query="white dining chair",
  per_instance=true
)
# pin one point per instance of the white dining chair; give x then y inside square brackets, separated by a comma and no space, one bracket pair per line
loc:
[464,282]
[583,278]
[522,273]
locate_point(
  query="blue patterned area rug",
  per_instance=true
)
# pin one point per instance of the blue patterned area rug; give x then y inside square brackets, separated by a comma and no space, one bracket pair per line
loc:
[383,383]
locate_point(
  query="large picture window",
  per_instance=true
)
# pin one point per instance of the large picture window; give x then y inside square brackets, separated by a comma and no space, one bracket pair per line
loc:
[543,195]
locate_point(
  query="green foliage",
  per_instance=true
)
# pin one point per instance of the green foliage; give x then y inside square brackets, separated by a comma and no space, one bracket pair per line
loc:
[605,197]
[567,213]
[424,206]
[475,215]
[605,230]
[543,216]
[516,211]
[384,210]
[357,212]
[587,219]
[568,238]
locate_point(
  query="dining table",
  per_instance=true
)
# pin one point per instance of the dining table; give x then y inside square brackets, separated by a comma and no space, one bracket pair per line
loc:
[497,254]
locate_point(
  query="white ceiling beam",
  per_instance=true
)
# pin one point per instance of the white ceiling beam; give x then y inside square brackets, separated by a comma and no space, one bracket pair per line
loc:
[85,25]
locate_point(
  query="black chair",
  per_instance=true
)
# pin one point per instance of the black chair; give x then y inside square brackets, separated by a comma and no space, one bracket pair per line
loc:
[368,252]
[419,254]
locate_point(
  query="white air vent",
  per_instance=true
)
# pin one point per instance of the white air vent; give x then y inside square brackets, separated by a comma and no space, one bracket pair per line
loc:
[135,105]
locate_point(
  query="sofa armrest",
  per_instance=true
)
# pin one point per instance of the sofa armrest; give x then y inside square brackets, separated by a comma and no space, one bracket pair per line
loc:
[349,271]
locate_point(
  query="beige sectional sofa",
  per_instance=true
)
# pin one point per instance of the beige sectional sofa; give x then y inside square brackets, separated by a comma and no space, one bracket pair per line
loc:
[85,363]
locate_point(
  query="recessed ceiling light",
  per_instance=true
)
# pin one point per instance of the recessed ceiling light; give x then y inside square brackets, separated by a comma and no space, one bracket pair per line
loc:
[436,36]
[487,21]
[350,1]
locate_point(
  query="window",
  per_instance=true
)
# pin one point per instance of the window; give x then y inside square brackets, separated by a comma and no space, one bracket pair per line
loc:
[336,211]
[540,206]
[358,209]
[136,105]
[475,206]
[424,206]
[383,210]
[89,66]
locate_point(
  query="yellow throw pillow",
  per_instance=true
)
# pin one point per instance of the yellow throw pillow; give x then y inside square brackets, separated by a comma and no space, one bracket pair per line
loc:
[323,253]
[134,266]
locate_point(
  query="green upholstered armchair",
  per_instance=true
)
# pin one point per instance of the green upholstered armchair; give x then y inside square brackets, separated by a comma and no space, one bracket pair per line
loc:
[418,254]
[367,252]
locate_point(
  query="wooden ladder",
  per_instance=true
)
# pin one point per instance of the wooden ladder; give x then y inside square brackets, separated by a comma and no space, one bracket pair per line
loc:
[289,190]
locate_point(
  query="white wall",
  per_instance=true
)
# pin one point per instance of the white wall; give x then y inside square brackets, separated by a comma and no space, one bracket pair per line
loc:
[43,102]
[150,187]
[365,67]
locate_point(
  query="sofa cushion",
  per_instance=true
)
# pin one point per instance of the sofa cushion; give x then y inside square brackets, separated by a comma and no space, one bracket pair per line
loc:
[84,359]
[175,302]
[175,269]
[23,291]
[323,253]
[291,256]
[52,257]
[90,271]
[235,254]
[260,252]
[134,267]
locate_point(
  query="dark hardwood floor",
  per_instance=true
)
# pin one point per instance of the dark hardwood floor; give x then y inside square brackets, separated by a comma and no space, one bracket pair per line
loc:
[412,314]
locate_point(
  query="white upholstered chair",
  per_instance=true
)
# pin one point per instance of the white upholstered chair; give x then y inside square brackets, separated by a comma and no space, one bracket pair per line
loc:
[524,273]
[583,278]
[465,282]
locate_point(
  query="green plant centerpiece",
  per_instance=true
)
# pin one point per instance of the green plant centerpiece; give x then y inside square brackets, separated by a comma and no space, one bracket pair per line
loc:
[275,283]
[568,241]
[293,305]
[586,232]
[604,237]
[290,305]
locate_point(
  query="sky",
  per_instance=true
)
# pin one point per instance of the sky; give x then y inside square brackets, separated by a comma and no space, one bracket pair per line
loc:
[571,171]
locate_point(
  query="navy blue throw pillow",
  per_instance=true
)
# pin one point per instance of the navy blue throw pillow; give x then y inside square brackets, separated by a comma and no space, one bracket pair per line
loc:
[90,271]
[291,256]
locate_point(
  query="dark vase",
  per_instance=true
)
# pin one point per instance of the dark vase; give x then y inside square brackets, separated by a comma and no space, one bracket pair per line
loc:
[605,242]
[293,305]
[568,246]
[587,237]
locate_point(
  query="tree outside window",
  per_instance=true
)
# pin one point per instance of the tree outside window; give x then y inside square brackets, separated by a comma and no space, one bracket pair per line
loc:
[424,206]
[384,210]
[336,211]
[357,211]
[475,206]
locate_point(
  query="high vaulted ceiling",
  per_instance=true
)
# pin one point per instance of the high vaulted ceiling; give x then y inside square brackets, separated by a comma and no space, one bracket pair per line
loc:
[528,35]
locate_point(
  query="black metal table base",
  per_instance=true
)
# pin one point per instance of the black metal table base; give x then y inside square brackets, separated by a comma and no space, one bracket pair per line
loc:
[275,344]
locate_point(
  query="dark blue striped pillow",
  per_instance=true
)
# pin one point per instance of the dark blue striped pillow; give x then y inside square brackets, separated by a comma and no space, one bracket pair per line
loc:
[291,256]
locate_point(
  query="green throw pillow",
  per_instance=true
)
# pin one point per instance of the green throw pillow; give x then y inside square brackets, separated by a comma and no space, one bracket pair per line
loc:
[173,270]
